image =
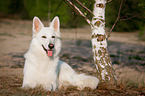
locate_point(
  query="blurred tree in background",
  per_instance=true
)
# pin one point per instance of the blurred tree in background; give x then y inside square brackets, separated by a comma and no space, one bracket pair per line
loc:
[132,14]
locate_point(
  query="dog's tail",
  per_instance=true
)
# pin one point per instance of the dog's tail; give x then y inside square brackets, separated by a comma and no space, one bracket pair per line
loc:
[68,77]
[83,81]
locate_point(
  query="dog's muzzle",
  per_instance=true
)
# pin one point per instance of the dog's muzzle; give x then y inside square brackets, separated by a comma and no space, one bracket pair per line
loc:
[50,51]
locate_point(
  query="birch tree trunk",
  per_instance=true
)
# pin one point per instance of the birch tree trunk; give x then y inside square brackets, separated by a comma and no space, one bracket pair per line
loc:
[105,71]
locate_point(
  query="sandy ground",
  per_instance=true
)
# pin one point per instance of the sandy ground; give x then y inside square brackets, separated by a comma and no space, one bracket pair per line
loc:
[126,51]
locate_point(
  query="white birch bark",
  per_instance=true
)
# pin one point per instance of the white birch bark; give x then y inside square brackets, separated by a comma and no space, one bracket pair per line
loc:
[105,71]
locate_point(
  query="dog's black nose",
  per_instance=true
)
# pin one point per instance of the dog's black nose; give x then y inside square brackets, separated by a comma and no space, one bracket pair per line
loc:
[51,46]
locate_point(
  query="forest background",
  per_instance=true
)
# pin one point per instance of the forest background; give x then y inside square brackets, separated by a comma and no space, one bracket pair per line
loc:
[132,16]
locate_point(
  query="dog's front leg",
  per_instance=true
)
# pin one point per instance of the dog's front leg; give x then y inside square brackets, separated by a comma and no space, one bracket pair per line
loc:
[28,84]
[55,86]
[51,86]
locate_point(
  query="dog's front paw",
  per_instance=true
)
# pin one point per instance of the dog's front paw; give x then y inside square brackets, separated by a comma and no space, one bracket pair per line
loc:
[28,86]
[61,87]
[80,88]
[47,87]
[50,87]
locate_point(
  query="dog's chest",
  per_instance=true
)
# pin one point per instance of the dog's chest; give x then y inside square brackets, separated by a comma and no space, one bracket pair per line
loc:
[45,67]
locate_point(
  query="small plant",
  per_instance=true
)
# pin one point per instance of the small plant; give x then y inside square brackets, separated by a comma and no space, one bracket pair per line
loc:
[78,42]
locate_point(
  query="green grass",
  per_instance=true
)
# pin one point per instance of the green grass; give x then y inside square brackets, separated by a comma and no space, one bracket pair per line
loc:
[6,34]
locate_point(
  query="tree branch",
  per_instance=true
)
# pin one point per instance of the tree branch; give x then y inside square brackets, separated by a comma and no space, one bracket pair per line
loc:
[118,17]
[79,11]
[84,6]
[72,8]
[108,1]
[132,16]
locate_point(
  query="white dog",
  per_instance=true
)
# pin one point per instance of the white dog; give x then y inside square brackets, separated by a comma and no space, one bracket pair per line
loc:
[42,65]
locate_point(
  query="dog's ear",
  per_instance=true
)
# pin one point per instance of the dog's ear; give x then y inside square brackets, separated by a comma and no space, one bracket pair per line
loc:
[55,24]
[37,25]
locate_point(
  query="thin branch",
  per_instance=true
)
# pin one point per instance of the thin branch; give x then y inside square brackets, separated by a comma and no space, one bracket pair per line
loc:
[57,8]
[108,1]
[118,17]
[79,11]
[72,8]
[84,6]
[132,16]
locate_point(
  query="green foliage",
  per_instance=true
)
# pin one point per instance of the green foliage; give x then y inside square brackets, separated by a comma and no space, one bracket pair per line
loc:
[131,16]
[15,6]
[4,6]
[45,9]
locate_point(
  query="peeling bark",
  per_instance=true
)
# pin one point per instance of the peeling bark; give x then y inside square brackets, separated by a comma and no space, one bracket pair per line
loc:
[105,71]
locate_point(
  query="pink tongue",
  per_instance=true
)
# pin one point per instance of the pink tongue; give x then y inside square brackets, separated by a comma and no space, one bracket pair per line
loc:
[49,53]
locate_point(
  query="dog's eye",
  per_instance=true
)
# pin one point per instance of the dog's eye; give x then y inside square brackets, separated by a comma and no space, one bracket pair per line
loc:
[43,36]
[53,37]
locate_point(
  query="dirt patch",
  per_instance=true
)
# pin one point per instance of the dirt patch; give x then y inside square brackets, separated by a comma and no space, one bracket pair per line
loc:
[127,54]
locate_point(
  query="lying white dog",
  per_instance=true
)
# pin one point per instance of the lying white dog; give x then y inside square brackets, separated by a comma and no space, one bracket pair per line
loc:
[42,65]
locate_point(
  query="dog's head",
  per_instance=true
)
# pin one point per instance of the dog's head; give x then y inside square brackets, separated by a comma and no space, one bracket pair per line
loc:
[47,37]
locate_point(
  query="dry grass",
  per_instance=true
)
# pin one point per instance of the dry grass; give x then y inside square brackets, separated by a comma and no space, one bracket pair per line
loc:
[131,79]
[11,86]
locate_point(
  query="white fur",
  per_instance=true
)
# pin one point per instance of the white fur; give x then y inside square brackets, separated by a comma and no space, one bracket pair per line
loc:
[49,72]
